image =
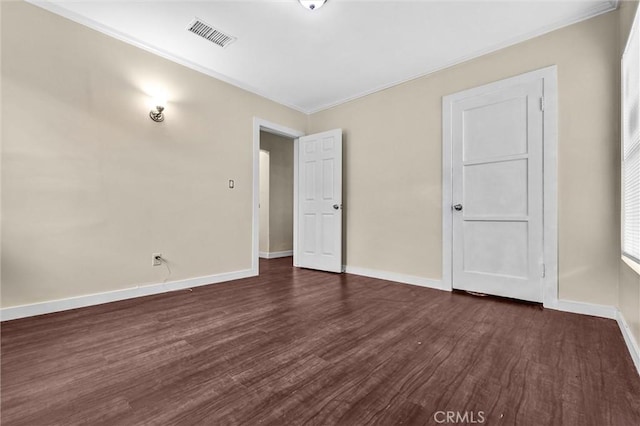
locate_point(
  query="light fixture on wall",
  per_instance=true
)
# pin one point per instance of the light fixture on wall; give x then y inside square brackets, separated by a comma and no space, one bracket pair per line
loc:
[312,4]
[157,107]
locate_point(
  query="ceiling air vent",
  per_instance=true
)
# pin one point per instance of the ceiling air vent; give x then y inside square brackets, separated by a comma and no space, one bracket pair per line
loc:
[207,31]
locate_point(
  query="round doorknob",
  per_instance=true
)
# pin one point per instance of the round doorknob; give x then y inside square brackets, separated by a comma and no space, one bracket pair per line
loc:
[458,207]
[336,206]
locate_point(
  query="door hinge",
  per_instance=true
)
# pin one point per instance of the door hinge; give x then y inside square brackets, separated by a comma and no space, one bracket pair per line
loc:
[541,103]
[544,270]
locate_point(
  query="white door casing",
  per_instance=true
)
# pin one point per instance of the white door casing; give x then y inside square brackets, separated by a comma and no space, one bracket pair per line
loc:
[499,165]
[319,200]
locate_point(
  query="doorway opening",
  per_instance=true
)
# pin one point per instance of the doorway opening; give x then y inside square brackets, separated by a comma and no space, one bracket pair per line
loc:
[270,132]
[317,196]
[276,196]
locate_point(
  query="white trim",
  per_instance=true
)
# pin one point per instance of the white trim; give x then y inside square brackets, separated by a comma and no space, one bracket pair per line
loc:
[591,13]
[83,20]
[296,147]
[583,308]
[447,193]
[550,176]
[550,188]
[267,126]
[275,254]
[635,266]
[22,311]
[393,276]
[632,345]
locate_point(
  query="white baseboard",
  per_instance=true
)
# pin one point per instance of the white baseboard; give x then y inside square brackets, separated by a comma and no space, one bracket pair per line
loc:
[393,276]
[602,311]
[23,311]
[583,308]
[15,312]
[275,254]
[631,342]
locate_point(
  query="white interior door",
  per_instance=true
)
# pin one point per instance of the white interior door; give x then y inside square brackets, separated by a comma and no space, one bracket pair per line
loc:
[497,182]
[319,202]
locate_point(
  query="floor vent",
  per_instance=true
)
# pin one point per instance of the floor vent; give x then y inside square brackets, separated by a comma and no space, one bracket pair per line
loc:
[207,31]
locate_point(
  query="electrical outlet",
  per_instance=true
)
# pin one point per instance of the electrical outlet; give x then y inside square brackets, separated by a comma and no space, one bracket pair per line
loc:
[156,259]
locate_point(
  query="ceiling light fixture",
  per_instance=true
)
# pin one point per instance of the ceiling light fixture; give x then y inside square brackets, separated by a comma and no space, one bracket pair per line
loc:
[312,4]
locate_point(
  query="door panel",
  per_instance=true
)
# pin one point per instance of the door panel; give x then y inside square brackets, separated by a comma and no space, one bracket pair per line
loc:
[496,189]
[496,248]
[506,118]
[497,179]
[320,201]
[328,184]
[309,230]
[328,243]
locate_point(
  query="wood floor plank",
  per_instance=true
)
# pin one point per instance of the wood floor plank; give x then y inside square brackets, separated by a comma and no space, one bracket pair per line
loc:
[302,347]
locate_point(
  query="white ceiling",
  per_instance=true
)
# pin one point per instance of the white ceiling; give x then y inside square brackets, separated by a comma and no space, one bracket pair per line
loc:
[312,60]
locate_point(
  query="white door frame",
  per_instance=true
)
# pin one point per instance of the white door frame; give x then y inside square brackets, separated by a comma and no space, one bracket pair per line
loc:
[276,129]
[550,176]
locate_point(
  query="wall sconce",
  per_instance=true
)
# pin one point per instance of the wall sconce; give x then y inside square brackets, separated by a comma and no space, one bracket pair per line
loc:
[157,106]
[156,114]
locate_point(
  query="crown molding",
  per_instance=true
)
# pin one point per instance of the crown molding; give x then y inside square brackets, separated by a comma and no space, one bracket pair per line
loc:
[591,13]
[94,25]
[599,9]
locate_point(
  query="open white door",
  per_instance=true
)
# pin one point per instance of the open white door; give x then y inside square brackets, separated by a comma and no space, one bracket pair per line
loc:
[318,242]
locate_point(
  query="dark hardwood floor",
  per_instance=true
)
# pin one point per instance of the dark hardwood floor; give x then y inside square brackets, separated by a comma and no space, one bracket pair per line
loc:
[296,347]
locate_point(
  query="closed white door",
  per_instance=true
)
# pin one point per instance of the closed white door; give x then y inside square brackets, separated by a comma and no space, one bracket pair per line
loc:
[497,182]
[319,201]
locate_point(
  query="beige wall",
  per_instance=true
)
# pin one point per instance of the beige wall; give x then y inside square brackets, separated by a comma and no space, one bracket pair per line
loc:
[281,191]
[629,291]
[393,160]
[263,220]
[91,187]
